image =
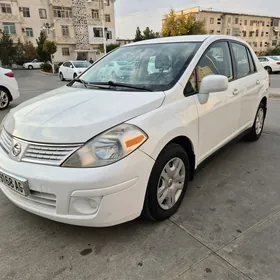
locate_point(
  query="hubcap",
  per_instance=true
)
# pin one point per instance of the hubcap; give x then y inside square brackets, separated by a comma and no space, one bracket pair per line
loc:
[171,183]
[4,100]
[259,121]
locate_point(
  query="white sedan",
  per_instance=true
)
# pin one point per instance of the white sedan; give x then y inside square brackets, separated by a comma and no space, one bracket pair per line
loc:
[8,88]
[270,63]
[100,152]
[71,69]
[35,64]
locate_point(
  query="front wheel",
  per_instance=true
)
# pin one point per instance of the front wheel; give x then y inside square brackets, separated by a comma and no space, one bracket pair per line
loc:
[61,77]
[167,184]
[256,131]
[30,67]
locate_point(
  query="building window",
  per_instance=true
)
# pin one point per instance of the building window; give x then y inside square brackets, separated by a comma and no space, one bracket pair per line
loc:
[263,23]
[262,34]
[65,30]
[62,12]
[29,32]
[43,13]
[266,33]
[236,20]
[98,32]
[235,32]
[109,35]
[95,14]
[65,51]
[25,12]
[275,22]
[107,18]
[6,8]
[218,31]
[211,31]
[251,33]
[244,33]
[274,43]
[257,33]
[245,22]
[228,31]
[9,28]
[251,22]
[211,20]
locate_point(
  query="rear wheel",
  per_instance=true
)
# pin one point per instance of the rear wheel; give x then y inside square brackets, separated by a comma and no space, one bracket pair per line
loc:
[167,184]
[256,131]
[61,77]
[30,67]
[4,98]
[268,69]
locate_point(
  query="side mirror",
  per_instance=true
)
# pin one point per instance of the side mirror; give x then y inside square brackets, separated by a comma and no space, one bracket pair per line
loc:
[211,83]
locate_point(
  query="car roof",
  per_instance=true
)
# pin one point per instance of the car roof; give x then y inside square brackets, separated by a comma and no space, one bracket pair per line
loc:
[187,38]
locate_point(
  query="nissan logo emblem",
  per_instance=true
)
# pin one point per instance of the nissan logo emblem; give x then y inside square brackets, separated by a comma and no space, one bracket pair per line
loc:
[16,150]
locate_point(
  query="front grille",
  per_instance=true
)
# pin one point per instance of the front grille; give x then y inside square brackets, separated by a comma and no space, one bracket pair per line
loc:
[48,154]
[6,141]
[46,199]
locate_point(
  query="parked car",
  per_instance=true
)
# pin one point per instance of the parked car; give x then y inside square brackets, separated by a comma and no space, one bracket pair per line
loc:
[71,69]
[270,64]
[100,153]
[8,88]
[35,64]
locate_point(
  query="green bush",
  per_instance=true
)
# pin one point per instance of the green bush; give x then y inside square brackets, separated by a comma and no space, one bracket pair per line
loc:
[46,67]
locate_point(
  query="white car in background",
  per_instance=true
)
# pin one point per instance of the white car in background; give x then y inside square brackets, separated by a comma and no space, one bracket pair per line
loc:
[101,152]
[270,63]
[8,88]
[35,64]
[71,69]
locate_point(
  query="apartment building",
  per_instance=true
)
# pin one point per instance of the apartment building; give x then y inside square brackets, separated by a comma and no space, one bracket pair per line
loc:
[261,32]
[75,25]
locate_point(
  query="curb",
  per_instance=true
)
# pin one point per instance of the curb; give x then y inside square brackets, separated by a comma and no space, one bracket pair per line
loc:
[48,74]
[274,93]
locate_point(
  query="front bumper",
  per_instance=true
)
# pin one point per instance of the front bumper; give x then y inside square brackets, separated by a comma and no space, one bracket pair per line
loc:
[119,190]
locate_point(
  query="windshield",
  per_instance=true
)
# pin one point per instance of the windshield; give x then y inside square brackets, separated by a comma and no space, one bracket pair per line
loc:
[81,64]
[154,66]
[276,58]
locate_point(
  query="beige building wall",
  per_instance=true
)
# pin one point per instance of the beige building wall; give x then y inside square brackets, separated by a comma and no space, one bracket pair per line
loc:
[71,24]
[261,32]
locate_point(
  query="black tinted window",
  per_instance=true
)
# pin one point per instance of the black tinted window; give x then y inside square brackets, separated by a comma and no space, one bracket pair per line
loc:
[241,59]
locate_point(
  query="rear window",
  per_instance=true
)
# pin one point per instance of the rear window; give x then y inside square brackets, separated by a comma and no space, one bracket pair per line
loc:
[81,64]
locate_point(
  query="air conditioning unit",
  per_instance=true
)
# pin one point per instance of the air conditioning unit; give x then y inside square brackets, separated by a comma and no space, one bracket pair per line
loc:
[22,29]
[20,9]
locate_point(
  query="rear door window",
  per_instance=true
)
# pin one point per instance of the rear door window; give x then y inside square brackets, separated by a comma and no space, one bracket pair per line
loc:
[251,62]
[241,60]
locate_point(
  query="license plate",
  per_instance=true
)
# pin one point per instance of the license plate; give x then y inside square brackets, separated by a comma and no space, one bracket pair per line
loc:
[18,185]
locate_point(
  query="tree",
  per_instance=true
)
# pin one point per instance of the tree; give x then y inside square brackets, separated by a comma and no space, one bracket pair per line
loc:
[7,49]
[111,47]
[275,51]
[19,53]
[29,51]
[49,47]
[42,55]
[150,34]
[138,35]
[177,25]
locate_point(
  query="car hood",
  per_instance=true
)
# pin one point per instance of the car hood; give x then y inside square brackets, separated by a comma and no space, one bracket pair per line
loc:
[72,115]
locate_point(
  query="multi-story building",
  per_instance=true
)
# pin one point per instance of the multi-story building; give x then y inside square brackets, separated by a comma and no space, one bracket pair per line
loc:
[261,32]
[75,25]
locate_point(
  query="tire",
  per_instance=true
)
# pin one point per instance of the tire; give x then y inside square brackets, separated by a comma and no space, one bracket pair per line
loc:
[256,130]
[30,67]
[61,77]
[4,98]
[268,69]
[159,203]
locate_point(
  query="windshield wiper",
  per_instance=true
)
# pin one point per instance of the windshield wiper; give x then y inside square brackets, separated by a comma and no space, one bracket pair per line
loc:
[113,84]
[78,80]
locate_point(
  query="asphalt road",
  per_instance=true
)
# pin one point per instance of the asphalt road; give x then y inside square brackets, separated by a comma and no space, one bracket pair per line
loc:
[226,229]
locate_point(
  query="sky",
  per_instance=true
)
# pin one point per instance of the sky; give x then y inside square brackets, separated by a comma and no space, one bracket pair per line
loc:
[143,13]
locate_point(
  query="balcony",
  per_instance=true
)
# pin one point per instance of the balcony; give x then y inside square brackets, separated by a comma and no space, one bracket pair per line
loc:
[9,17]
[65,40]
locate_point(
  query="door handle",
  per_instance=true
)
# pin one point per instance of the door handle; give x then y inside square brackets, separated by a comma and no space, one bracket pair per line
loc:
[235,91]
[258,82]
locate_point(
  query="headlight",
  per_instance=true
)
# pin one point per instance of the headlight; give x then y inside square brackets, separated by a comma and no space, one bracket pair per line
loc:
[108,147]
